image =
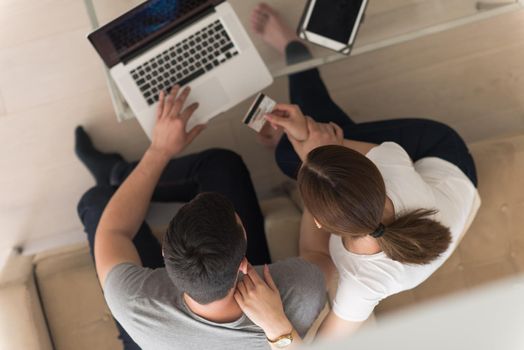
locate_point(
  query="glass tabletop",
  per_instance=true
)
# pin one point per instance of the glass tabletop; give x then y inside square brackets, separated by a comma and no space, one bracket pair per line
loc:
[385,23]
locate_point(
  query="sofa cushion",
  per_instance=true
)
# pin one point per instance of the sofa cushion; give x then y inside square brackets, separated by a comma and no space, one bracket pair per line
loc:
[281,220]
[282,226]
[76,311]
[22,322]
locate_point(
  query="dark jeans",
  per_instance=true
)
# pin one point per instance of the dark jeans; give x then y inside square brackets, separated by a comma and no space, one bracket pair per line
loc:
[214,170]
[419,137]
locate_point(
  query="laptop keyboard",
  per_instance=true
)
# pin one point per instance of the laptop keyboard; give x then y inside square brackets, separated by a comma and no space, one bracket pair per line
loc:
[199,53]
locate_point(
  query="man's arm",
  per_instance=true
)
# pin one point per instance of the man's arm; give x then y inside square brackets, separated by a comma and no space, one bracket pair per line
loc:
[127,209]
[124,214]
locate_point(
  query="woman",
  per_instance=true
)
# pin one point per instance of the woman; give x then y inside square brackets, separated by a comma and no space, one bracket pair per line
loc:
[386,203]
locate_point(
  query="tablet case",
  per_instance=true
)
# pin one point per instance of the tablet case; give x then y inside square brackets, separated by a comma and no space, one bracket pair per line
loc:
[346,50]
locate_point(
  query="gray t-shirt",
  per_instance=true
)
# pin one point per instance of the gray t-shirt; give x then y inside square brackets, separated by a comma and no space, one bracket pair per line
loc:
[153,312]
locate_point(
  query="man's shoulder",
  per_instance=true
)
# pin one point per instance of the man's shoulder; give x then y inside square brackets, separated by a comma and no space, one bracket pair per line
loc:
[293,268]
[302,289]
[129,281]
[296,273]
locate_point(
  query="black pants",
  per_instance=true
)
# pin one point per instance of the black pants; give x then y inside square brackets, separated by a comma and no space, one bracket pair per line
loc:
[214,170]
[419,137]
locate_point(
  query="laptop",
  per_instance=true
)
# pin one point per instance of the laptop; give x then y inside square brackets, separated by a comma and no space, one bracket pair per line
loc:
[197,43]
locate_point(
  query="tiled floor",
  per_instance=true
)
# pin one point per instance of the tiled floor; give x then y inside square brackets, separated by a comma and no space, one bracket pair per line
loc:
[470,78]
[2,107]
[51,80]
[31,20]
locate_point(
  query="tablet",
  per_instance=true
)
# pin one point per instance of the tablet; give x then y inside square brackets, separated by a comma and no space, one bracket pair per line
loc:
[332,23]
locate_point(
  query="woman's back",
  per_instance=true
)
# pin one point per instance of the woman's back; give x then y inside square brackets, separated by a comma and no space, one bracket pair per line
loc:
[430,183]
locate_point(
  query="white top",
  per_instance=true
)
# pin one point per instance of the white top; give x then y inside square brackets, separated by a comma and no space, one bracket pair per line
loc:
[430,183]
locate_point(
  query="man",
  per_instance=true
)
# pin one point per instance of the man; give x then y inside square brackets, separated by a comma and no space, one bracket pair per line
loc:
[190,303]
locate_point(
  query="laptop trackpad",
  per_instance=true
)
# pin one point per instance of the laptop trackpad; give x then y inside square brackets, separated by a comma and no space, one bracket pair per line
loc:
[211,97]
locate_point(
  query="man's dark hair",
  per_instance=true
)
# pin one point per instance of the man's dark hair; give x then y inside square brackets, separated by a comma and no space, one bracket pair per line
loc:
[203,248]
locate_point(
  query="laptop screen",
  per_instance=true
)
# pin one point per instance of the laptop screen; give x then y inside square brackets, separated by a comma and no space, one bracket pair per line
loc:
[140,26]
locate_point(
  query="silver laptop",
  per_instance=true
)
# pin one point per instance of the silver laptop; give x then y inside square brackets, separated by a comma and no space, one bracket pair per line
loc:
[200,43]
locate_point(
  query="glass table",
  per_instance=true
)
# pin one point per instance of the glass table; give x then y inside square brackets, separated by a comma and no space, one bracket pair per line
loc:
[385,23]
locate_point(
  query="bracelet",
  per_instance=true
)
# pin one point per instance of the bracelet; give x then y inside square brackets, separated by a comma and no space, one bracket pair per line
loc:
[282,341]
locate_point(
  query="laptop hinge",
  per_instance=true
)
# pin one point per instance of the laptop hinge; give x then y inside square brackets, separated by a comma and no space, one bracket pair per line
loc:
[195,18]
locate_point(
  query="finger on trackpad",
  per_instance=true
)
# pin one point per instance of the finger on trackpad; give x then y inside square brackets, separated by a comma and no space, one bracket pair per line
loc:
[211,97]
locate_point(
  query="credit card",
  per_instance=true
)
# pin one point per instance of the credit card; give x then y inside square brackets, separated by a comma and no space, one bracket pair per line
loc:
[255,116]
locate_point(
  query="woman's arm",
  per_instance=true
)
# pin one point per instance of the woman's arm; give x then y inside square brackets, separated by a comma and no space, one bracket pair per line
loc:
[305,134]
[260,300]
[359,146]
[314,246]
[334,327]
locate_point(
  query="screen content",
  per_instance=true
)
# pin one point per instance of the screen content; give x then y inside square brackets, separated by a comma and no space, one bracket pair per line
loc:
[334,19]
[152,18]
[142,25]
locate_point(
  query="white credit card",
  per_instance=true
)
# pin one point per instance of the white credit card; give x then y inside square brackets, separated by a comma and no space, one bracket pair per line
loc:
[255,116]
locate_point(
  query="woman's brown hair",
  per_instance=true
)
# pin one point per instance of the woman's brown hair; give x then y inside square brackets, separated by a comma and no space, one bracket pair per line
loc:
[346,194]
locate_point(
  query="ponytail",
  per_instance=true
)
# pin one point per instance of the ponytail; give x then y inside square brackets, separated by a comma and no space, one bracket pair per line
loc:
[414,238]
[346,194]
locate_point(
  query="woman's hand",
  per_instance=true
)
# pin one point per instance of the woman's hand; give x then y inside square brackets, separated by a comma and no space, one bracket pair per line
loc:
[260,301]
[304,133]
[320,134]
[291,119]
[169,135]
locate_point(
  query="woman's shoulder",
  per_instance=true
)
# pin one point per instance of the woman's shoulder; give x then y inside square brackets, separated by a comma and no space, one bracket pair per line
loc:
[430,183]
[436,171]
[378,276]
[362,268]
[432,170]
[367,277]
[404,185]
[390,154]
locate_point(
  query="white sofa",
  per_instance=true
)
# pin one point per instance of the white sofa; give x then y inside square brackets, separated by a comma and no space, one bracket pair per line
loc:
[53,300]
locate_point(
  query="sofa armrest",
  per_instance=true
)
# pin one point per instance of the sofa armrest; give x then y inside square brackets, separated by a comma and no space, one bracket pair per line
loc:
[22,321]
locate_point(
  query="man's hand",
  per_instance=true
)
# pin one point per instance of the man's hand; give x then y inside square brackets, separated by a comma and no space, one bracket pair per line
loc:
[169,135]
[260,301]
